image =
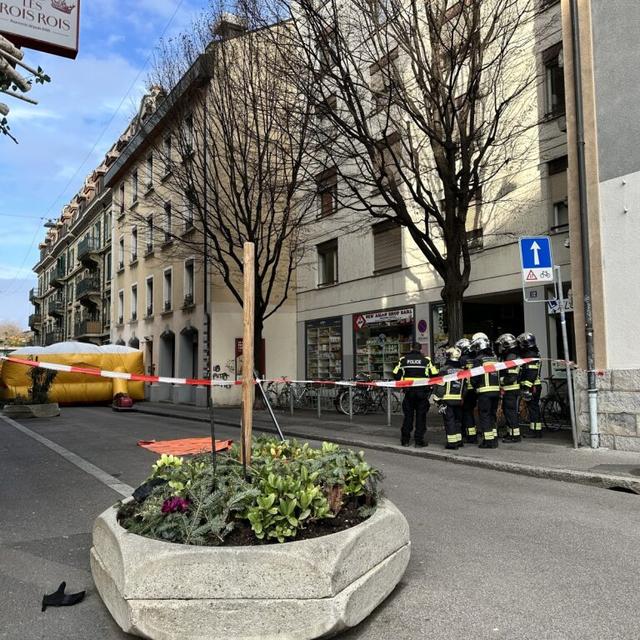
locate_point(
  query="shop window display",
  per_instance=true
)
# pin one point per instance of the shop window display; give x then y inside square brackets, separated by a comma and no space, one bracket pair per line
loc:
[324,349]
[381,339]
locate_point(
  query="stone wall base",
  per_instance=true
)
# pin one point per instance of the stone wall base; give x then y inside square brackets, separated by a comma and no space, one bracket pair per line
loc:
[618,408]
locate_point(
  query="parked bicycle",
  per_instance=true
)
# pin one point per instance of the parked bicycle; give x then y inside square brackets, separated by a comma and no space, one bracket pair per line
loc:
[282,395]
[367,399]
[554,406]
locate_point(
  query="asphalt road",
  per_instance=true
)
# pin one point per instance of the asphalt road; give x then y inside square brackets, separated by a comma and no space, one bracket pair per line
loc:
[494,555]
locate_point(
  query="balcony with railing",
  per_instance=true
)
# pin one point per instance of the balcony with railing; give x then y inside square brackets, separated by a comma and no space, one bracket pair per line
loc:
[33,295]
[88,328]
[58,274]
[56,308]
[87,288]
[35,319]
[51,337]
[88,250]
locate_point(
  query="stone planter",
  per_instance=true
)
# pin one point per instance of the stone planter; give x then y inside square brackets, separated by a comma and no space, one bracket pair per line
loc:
[293,591]
[18,411]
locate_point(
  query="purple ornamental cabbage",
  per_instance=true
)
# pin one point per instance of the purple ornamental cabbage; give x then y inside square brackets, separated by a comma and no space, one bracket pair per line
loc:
[175,505]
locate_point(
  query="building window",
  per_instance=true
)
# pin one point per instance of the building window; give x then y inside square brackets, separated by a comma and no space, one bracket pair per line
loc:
[558,193]
[167,222]
[327,106]
[134,187]
[554,81]
[121,254]
[166,146]
[134,244]
[328,262]
[149,234]
[387,246]
[72,262]
[108,267]
[324,349]
[121,198]
[107,226]
[134,302]
[327,182]
[188,282]
[149,171]
[149,296]
[120,307]
[167,291]
[188,218]
[475,240]
[188,134]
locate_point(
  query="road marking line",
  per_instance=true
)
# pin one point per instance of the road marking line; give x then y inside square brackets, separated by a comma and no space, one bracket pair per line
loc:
[113,483]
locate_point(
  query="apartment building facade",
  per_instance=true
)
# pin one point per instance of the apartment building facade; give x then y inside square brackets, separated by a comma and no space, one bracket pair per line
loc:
[365,291]
[73,297]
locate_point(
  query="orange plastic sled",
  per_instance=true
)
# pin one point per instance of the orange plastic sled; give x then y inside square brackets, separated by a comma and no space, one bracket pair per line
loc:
[184,446]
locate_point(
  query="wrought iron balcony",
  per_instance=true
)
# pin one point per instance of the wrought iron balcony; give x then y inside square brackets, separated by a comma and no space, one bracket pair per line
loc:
[88,328]
[88,287]
[52,337]
[56,308]
[35,319]
[88,249]
[57,276]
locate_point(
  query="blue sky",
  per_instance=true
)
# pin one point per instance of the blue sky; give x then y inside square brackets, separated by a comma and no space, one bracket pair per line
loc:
[88,103]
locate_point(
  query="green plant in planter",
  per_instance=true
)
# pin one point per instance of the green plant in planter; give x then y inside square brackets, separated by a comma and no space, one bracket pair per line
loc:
[41,381]
[288,488]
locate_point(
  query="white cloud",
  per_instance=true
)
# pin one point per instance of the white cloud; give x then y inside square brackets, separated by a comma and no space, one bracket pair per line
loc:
[114,38]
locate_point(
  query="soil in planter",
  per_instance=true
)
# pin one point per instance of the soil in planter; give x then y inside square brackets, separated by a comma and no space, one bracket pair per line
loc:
[242,535]
[347,517]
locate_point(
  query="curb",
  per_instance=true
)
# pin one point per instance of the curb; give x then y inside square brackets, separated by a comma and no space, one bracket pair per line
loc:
[598,480]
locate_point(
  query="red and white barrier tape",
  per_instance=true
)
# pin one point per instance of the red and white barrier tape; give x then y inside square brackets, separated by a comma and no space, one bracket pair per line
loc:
[399,384]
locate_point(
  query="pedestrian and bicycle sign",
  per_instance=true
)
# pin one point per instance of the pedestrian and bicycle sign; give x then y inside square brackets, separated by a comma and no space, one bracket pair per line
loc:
[536,261]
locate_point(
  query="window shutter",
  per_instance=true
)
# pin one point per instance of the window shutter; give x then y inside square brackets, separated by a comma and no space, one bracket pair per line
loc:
[387,246]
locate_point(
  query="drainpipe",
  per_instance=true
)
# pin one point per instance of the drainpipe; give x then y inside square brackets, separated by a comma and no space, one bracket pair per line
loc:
[584,227]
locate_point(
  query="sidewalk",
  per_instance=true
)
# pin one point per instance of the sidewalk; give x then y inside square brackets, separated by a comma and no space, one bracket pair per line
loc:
[553,457]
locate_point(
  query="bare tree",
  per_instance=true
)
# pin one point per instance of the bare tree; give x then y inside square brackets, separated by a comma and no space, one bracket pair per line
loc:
[234,154]
[423,106]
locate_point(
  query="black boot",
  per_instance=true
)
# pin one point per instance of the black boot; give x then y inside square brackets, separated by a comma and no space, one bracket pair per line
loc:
[451,445]
[421,443]
[471,439]
[486,444]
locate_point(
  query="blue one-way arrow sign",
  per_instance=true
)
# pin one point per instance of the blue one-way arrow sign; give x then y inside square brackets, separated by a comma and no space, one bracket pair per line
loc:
[536,260]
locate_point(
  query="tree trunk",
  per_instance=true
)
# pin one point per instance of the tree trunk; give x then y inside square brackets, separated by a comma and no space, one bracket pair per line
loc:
[452,294]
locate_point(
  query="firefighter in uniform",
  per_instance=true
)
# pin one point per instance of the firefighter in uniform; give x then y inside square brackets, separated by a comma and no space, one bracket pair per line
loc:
[530,383]
[469,400]
[510,386]
[415,366]
[487,387]
[449,399]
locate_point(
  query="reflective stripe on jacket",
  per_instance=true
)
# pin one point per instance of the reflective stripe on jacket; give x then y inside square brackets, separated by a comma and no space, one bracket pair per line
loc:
[451,392]
[510,379]
[414,366]
[530,372]
[490,381]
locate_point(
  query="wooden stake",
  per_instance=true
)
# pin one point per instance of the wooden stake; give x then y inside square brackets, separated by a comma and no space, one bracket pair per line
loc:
[247,350]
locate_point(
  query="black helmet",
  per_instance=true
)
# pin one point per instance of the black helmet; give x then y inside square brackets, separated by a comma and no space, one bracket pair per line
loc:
[506,342]
[526,341]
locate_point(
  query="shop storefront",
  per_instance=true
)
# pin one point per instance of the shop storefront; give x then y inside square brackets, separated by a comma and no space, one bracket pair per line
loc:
[381,338]
[323,340]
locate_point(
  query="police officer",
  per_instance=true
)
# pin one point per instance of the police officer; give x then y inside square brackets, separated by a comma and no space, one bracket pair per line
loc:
[449,399]
[469,400]
[487,387]
[510,386]
[530,383]
[415,366]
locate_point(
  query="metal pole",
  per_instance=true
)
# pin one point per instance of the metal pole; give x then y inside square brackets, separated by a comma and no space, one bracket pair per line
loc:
[388,406]
[269,408]
[318,402]
[565,346]
[584,227]
[350,387]
[290,385]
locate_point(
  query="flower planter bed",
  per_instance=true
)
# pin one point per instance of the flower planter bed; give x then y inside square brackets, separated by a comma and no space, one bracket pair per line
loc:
[19,411]
[293,591]
[301,547]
